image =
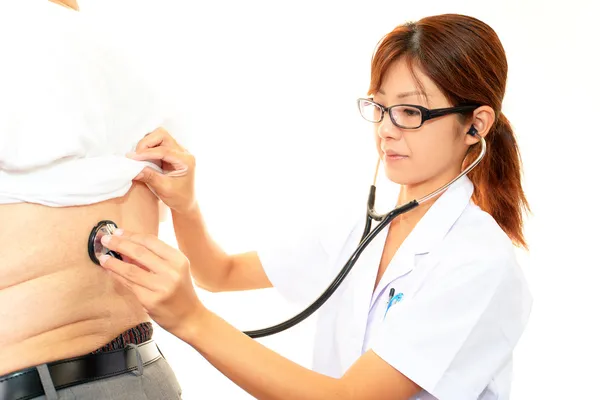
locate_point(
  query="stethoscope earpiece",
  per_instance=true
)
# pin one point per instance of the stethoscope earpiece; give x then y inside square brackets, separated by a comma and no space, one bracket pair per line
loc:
[472,131]
[95,246]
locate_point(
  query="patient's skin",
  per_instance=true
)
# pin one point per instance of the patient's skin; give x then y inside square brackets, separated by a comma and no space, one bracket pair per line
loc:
[67,3]
[55,302]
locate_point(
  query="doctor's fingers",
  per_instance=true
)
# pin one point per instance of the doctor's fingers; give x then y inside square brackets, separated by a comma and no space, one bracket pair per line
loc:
[175,162]
[154,244]
[137,253]
[131,276]
[158,137]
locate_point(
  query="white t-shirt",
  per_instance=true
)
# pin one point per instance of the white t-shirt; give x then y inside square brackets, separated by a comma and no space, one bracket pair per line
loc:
[71,107]
[460,300]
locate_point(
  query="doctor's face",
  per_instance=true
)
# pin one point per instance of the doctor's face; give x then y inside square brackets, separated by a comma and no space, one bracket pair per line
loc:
[431,153]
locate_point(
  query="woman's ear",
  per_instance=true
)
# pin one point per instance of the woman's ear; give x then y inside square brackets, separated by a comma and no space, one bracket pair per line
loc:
[482,120]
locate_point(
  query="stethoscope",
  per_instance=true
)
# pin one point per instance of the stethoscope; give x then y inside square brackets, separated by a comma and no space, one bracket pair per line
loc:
[95,246]
[96,249]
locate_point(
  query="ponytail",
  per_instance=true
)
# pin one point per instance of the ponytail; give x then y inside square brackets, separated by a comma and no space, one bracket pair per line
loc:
[497,180]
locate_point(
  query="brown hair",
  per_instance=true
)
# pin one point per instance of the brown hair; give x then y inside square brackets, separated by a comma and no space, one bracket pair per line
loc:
[466,60]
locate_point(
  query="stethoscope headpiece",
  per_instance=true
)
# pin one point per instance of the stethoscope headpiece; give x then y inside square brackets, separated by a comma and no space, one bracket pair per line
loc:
[95,246]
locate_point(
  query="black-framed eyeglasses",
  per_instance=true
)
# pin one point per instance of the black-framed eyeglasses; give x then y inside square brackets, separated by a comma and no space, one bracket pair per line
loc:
[407,116]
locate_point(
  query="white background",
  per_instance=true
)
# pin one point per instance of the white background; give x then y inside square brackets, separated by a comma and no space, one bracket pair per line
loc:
[267,91]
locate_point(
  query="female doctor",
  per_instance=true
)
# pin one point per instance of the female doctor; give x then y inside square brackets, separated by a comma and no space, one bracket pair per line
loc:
[436,303]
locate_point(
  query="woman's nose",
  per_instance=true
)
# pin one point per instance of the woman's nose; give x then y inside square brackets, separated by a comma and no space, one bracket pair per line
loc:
[387,129]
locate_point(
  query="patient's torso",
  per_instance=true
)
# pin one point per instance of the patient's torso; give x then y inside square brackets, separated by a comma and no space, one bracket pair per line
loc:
[55,302]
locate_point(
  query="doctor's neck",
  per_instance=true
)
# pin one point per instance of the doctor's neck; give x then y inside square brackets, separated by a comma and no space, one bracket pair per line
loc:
[412,217]
[67,3]
[415,191]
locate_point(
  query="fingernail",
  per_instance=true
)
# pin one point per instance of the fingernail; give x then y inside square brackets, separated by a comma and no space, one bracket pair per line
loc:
[105,239]
[103,258]
[130,154]
[139,176]
[118,232]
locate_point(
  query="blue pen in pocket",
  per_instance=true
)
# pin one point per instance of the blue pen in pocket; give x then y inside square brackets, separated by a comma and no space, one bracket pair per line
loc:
[393,300]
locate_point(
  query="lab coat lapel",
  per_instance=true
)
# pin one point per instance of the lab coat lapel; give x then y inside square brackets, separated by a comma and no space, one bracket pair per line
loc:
[354,314]
[401,264]
[358,295]
[430,230]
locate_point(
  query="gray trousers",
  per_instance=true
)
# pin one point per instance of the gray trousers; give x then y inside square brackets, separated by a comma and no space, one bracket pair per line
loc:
[152,382]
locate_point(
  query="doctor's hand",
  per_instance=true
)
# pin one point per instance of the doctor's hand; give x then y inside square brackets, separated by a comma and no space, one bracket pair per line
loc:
[158,275]
[175,187]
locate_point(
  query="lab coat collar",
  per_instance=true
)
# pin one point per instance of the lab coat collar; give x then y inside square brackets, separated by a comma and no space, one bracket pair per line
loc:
[428,232]
[440,217]
[352,321]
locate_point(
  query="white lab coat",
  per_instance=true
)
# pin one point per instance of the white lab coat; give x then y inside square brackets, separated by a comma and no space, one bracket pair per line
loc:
[464,301]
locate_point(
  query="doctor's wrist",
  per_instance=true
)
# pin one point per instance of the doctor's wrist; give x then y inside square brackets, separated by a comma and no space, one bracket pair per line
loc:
[190,327]
[186,211]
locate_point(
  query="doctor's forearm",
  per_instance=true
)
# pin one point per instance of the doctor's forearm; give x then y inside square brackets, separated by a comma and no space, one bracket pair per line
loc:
[208,263]
[256,369]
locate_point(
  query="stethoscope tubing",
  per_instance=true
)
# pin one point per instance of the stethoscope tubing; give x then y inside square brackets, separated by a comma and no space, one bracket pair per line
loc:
[366,238]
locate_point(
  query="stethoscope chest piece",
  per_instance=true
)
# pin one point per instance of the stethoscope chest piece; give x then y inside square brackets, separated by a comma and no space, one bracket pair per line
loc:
[95,246]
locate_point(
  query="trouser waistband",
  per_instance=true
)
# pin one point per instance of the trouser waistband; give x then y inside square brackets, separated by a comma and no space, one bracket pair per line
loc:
[47,378]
